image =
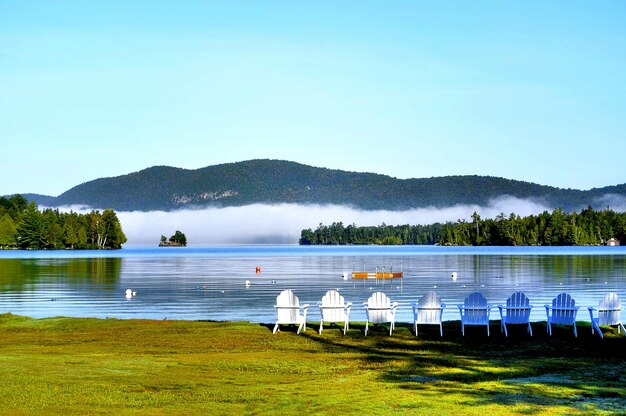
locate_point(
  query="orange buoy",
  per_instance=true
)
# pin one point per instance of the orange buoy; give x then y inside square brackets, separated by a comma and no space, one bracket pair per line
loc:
[258,269]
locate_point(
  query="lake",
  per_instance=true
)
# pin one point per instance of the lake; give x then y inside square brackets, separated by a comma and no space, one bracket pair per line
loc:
[208,282]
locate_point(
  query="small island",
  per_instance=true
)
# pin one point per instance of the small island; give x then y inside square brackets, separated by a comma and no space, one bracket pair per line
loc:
[177,240]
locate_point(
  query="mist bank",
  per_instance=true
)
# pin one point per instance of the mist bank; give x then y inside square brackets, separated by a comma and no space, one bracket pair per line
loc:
[283,223]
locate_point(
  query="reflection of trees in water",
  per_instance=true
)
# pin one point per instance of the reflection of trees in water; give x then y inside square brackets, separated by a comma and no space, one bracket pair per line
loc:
[19,273]
[543,267]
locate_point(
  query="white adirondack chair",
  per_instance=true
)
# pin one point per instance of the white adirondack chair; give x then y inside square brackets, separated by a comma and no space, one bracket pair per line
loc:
[428,311]
[517,309]
[564,312]
[380,309]
[288,311]
[333,308]
[609,313]
[474,311]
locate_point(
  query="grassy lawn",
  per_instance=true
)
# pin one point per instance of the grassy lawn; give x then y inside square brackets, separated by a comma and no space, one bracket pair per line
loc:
[106,366]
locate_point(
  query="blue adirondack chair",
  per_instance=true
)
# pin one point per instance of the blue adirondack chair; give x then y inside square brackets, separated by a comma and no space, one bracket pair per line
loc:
[474,311]
[562,312]
[516,312]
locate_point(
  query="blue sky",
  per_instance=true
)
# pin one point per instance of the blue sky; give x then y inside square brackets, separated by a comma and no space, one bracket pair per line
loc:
[531,90]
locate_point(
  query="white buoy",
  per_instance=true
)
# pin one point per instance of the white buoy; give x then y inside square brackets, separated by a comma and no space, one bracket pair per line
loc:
[129,293]
[454,276]
[345,276]
[247,283]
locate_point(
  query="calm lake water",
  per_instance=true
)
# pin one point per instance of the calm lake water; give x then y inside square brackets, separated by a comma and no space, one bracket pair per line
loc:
[196,283]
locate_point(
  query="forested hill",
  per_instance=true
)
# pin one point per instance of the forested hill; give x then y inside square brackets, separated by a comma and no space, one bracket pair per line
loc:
[274,181]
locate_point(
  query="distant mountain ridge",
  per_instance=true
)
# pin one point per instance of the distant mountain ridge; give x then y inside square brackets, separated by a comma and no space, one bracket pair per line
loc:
[277,181]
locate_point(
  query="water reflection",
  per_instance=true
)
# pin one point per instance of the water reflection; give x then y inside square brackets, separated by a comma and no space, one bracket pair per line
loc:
[208,283]
[18,274]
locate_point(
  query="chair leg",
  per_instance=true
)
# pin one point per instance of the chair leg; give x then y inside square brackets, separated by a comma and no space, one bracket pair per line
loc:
[462,328]
[366,327]
[321,326]
[594,325]
[575,332]
[530,329]
[440,329]
[299,329]
[503,327]
[275,329]
[487,328]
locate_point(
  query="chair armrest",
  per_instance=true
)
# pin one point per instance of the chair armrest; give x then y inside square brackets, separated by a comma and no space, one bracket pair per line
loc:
[443,305]
[394,306]
[305,306]
[591,309]
[365,305]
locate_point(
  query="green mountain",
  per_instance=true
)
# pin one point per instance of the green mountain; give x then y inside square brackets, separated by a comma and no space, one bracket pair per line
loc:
[275,181]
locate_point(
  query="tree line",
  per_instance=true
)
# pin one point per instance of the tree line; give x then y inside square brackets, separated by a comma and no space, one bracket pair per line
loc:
[24,226]
[556,228]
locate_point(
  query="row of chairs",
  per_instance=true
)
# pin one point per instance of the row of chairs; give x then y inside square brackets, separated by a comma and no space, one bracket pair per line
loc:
[475,310]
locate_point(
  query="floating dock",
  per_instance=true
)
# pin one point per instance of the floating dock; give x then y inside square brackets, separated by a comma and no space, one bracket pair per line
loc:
[377,275]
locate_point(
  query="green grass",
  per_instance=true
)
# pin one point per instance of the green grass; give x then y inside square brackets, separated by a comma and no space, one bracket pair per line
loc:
[92,366]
